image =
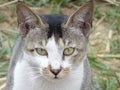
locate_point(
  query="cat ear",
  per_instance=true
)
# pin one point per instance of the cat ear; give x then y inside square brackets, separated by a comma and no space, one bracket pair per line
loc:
[27,19]
[82,18]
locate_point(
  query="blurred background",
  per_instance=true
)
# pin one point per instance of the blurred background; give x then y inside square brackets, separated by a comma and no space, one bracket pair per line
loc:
[104,42]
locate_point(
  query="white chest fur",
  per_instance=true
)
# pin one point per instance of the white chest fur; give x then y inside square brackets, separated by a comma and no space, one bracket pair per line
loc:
[22,80]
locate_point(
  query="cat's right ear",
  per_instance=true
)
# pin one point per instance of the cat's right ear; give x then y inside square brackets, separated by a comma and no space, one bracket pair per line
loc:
[27,19]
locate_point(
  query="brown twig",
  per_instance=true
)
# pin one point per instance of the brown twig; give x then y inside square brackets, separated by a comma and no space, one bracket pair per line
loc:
[108,56]
[114,2]
[3,73]
[73,5]
[4,30]
[2,86]
[2,79]
[108,42]
[8,3]
[98,22]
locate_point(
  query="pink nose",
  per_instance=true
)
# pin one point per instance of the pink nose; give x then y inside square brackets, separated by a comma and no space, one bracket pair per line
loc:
[55,71]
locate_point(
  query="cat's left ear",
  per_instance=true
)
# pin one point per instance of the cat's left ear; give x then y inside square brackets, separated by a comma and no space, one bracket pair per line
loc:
[82,18]
[27,19]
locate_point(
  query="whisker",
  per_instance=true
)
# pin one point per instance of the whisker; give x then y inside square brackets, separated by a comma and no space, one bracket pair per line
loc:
[75,73]
[34,67]
[36,77]
[34,72]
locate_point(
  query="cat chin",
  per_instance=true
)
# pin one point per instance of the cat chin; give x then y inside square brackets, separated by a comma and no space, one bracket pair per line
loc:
[54,79]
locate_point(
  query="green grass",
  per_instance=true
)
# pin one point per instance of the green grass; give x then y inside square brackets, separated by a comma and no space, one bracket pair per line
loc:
[56,4]
[106,79]
[3,66]
[2,18]
[7,37]
[105,84]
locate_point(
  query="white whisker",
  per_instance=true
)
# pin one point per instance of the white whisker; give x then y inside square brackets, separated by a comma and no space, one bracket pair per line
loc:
[35,67]
[35,77]
[34,73]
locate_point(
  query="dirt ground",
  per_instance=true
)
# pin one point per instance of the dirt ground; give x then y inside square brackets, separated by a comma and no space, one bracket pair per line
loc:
[100,32]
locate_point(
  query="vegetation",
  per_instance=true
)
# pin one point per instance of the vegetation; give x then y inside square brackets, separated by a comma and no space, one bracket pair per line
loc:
[104,45]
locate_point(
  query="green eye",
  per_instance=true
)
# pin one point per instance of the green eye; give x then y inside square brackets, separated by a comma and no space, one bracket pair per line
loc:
[41,51]
[68,51]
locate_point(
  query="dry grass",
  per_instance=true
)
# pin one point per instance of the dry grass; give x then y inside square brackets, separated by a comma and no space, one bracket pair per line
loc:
[104,51]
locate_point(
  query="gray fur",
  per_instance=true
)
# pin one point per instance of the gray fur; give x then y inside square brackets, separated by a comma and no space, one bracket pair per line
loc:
[74,31]
[16,54]
[87,82]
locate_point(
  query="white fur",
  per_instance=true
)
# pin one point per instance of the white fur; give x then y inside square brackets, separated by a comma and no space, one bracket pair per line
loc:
[22,80]
[25,79]
[54,54]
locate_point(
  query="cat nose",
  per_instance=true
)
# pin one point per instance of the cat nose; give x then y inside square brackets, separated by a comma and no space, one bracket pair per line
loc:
[55,71]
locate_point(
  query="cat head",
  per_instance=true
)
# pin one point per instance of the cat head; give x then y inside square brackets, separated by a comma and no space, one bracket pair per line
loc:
[54,45]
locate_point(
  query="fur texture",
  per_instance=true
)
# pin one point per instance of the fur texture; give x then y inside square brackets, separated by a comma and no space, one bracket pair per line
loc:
[51,53]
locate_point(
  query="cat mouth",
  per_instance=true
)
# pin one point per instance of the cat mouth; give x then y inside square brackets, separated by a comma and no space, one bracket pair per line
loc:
[53,79]
[56,77]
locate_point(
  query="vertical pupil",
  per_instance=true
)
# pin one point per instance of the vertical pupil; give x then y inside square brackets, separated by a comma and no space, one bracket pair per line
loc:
[42,50]
[69,50]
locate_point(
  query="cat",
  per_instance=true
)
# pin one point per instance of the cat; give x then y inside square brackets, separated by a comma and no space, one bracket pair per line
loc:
[51,51]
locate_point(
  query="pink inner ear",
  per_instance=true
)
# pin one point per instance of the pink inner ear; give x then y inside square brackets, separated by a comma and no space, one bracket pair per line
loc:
[22,25]
[26,23]
[24,28]
[85,28]
[88,17]
[82,26]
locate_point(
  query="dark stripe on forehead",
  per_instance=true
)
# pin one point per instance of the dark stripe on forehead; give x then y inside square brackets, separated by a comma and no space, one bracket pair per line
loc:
[56,30]
[54,22]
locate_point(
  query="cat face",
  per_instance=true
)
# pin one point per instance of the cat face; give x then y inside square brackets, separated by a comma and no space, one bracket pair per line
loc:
[54,59]
[54,46]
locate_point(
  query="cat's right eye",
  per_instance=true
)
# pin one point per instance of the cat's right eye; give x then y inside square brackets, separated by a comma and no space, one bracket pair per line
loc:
[41,51]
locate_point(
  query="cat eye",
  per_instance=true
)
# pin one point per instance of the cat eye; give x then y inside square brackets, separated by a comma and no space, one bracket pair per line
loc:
[41,51]
[68,51]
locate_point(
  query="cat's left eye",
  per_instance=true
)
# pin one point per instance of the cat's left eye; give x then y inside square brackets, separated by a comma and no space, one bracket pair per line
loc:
[41,51]
[68,51]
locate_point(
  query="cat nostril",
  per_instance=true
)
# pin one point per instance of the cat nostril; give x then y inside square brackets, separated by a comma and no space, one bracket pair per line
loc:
[55,71]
